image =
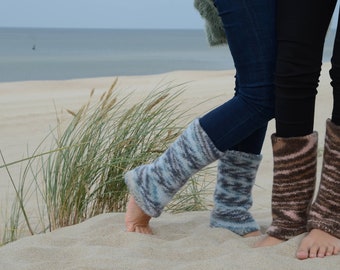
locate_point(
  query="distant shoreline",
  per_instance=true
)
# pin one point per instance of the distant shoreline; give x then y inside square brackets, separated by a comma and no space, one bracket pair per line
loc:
[28,54]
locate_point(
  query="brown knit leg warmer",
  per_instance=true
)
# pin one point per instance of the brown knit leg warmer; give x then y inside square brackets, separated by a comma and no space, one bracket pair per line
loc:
[325,211]
[295,162]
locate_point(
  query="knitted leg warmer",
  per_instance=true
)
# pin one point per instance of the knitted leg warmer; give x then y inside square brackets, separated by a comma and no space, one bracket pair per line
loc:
[295,161]
[325,211]
[155,184]
[232,197]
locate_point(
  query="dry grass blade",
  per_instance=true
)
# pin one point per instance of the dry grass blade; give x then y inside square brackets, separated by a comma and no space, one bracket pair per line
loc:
[81,175]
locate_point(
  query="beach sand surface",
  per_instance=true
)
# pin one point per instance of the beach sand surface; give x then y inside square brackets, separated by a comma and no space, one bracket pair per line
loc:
[181,241]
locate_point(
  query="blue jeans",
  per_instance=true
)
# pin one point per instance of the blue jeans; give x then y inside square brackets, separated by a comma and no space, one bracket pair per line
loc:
[241,123]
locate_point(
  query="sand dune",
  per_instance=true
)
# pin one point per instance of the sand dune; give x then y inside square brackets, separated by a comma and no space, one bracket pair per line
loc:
[181,241]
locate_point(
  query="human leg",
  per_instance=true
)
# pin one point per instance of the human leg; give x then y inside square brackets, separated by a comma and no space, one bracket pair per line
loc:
[159,181]
[324,220]
[237,169]
[301,33]
[323,223]
[254,52]
[236,173]
[153,185]
[232,196]
[324,217]
[227,126]
[295,160]
[300,42]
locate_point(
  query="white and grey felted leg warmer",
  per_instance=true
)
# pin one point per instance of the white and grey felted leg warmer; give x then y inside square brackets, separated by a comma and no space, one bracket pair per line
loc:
[154,185]
[233,193]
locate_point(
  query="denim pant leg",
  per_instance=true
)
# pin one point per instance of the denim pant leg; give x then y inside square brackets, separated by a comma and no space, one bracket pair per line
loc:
[250,30]
[254,142]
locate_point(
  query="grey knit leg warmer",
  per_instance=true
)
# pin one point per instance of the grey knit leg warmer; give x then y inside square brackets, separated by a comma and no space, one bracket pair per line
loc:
[232,197]
[325,211]
[295,162]
[155,184]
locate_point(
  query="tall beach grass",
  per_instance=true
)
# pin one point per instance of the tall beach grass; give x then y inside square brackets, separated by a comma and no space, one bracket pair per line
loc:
[80,173]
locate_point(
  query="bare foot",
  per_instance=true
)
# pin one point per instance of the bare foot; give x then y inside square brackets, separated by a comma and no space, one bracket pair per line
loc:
[268,241]
[252,234]
[318,244]
[135,219]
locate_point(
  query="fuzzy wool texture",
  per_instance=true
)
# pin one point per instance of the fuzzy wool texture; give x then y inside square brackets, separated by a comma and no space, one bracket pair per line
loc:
[236,173]
[295,165]
[213,23]
[325,211]
[154,185]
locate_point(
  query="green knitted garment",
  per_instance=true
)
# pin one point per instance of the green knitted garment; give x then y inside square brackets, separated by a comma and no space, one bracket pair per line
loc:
[213,23]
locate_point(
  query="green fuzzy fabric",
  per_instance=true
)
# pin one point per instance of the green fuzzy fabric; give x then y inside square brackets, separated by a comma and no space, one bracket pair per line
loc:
[213,23]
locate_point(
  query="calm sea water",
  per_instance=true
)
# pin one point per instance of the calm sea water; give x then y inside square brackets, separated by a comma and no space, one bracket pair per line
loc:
[52,54]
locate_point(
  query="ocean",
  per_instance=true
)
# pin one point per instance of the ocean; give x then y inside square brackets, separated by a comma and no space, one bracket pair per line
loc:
[59,54]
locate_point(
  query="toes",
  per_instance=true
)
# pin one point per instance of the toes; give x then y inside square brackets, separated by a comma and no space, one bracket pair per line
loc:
[337,250]
[330,251]
[313,251]
[130,228]
[302,254]
[135,219]
[304,249]
[143,229]
[322,252]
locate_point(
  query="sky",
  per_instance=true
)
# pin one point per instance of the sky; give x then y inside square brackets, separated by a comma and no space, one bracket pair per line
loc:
[164,14]
[160,14]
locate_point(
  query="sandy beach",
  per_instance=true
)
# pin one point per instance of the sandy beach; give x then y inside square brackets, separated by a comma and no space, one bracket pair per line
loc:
[181,241]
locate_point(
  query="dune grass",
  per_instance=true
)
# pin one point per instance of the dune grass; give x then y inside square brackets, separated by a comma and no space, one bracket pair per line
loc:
[80,175]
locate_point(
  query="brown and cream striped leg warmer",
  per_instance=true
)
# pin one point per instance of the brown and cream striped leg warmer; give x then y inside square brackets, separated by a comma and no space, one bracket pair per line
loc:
[325,211]
[295,161]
